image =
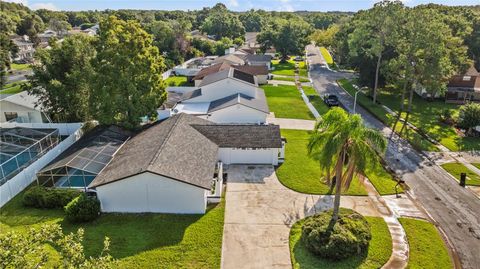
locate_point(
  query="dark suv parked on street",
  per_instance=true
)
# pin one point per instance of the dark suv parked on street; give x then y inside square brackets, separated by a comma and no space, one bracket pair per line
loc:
[331,100]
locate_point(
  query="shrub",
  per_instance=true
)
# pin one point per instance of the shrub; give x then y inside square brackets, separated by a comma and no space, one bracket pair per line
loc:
[42,197]
[82,209]
[350,235]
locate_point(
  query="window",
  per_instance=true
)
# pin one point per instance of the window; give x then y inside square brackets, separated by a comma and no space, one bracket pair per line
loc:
[10,116]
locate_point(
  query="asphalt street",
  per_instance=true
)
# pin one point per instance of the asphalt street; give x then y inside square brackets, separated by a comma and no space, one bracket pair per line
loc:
[455,210]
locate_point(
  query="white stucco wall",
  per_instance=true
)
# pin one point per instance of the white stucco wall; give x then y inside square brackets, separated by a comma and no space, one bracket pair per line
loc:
[262,79]
[248,156]
[28,115]
[224,88]
[237,114]
[148,192]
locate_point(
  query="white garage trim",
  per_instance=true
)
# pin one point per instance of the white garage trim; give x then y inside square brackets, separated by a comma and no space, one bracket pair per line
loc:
[249,155]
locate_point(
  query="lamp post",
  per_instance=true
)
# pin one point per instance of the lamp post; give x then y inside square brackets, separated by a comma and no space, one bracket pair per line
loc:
[355,102]
[396,186]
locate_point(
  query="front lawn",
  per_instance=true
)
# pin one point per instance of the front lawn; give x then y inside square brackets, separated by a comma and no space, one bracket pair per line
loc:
[12,88]
[427,249]
[315,99]
[415,139]
[177,81]
[137,240]
[379,250]
[326,55]
[455,169]
[19,66]
[288,68]
[301,173]
[286,102]
[477,165]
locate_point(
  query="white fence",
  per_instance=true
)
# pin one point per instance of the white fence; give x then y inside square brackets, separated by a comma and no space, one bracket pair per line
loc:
[63,128]
[19,182]
[167,74]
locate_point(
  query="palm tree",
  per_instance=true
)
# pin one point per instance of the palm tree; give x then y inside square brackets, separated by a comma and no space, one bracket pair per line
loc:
[343,146]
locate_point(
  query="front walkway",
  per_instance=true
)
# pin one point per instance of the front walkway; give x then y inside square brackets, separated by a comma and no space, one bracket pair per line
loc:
[260,211]
[291,123]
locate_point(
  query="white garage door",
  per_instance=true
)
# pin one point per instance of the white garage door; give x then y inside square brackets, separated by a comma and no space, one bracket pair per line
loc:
[248,156]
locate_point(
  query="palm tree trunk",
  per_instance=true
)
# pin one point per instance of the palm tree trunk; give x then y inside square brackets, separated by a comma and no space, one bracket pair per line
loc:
[402,107]
[377,72]
[338,187]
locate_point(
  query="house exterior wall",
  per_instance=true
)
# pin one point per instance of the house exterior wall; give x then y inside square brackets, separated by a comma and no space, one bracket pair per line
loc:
[224,88]
[248,156]
[26,115]
[148,192]
[262,79]
[237,114]
[268,64]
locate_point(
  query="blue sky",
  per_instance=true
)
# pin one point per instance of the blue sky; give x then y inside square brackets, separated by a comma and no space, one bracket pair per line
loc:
[237,5]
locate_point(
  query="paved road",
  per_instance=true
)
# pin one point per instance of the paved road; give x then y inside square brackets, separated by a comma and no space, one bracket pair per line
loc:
[18,76]
[454,209]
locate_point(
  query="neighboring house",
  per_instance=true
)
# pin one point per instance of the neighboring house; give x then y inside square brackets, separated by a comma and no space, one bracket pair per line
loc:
[26,50]
[191,67]
[21,107]
[173,166]
[261,72]
[226,96]
[258,59]
[231,59]
[271,52]
[464,88]
[47,35]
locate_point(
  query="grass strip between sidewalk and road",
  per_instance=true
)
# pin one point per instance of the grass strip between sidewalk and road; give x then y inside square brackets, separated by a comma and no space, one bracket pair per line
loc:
[379,250]
[326,55]
[427,249]
[455,169]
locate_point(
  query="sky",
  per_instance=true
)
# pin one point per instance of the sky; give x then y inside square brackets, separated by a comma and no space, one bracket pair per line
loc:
[236,5]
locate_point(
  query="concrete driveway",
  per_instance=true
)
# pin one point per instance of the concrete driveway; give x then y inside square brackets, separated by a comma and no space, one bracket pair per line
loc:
[259,213]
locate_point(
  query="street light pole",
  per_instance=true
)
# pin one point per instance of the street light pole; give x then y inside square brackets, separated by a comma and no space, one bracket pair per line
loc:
[355,102]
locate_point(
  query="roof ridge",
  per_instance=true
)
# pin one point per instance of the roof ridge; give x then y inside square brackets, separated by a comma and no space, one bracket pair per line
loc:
[157,154]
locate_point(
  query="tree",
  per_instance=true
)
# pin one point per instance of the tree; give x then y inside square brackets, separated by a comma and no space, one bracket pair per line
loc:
[22,249]
[375,32]
[128,74]
[62,78]
[344,146]
[253,20]
[469,117]
[222,23]
[326,37]
[7,49]
[31,26]
[287,36]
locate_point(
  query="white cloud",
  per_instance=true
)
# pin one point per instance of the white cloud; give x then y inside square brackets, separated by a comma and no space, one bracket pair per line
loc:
[233,3]
[49,6]
[285,5]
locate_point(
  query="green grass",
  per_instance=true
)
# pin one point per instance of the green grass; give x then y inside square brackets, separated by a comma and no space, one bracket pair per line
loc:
[326,55]
[288,68]
[415,139]
[425,116]
[477,165]
[427,249]
[177,81]
[20,66]
[379,250]
[303,174]
[12,88]
[455,169]
[286,102]
[291,79]
[315,99]
[137,240]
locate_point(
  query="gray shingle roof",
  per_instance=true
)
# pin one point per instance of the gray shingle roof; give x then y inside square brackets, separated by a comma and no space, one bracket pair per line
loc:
[257,58]
[242,136]
[172,148]
[174,97]
[259,103]
[228,73]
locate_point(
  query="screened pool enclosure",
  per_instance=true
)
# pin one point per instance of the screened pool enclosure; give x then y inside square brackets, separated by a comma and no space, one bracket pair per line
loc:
[78,166]
[19,147]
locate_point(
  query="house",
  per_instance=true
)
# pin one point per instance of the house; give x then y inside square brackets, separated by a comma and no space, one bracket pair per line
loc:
[26,50]
[21,107]
[261,72]
[464,88]
[258,60]
[175,165]
[47,35]
[227,96]
[231,59]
